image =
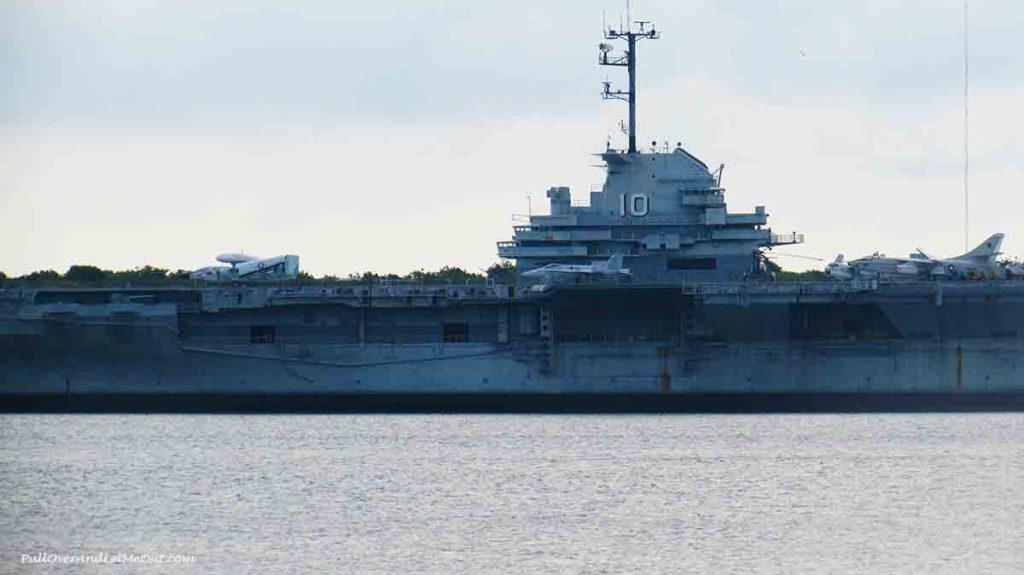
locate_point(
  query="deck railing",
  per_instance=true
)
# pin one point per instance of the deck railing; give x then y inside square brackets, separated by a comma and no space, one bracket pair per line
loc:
[793,238]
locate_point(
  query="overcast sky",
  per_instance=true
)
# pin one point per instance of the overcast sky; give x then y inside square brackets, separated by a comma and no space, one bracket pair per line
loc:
[391,136]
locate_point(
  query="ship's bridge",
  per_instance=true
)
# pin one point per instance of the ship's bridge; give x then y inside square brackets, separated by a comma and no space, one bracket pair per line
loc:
[664,211]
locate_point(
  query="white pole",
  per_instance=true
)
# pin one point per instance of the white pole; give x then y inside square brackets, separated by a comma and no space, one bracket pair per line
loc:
[967,206]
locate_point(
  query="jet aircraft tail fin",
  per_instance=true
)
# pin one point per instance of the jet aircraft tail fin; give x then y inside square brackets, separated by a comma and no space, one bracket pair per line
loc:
[614,263]
[987,249]
[612,266]
[841,258]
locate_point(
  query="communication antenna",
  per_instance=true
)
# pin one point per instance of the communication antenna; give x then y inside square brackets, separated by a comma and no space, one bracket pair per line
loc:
[793,256]
[967,157]
[631,35]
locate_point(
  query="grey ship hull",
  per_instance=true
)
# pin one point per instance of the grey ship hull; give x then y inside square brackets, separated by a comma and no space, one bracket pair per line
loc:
[725,347]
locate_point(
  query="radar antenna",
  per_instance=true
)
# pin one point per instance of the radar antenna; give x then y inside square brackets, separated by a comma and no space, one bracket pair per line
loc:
[631,34]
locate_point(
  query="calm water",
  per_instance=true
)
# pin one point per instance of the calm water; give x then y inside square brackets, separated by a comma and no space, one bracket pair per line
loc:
[501,494]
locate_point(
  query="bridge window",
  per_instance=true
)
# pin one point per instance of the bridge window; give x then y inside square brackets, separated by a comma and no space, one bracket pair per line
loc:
[692,264]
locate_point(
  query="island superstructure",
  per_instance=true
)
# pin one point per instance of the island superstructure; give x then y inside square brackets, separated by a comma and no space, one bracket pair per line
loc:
[663,209]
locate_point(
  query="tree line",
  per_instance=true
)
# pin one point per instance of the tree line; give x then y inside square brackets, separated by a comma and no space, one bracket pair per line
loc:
[89,275]
[789,276]
[502,272]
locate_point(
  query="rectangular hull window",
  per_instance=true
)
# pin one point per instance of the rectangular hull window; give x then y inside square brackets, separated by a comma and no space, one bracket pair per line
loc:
[261,334]
[692,263]
[456,332]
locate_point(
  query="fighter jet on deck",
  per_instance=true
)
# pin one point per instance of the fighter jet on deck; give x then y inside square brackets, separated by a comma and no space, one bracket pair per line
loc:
[612,267]
[839,269]
[979,262]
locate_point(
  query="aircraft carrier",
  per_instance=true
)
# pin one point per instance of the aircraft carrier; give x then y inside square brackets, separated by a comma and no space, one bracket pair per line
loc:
[696,324]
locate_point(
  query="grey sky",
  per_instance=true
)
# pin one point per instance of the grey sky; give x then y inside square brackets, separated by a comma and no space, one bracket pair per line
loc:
[391,136]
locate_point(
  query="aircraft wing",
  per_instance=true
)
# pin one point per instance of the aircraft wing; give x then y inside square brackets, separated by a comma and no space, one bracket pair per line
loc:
[918,265]
[921,262]
[923,255]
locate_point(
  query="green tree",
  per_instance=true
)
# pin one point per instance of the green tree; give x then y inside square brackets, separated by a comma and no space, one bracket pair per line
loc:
[151,273]
[788,276]
[446,274]
[365,277]
[41,276]
[145,274]
[85,273]
[419,275]
[805,276]
[503,272]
